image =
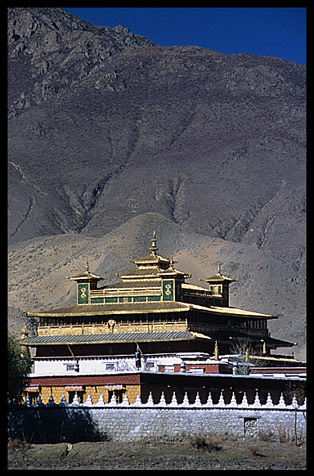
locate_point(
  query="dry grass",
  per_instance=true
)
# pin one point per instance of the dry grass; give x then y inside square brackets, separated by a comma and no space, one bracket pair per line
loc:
[201,452]
[207,443]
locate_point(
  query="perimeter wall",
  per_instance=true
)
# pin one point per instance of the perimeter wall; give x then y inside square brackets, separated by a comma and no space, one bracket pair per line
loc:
[53,423]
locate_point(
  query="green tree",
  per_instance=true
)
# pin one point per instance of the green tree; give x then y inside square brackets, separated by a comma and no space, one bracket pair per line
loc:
[18,369]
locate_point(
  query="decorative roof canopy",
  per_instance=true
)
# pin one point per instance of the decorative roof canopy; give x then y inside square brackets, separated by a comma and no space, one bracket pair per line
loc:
[218,277]
[153,258]
[86,275]
[145,307]
[154,265]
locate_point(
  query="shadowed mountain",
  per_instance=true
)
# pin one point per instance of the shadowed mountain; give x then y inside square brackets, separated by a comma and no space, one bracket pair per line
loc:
[106,126]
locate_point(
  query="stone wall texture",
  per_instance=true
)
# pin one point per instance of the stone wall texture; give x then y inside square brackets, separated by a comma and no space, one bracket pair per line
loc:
[121,422]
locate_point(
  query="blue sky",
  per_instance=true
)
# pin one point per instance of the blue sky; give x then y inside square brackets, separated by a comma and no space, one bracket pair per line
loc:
[265,31]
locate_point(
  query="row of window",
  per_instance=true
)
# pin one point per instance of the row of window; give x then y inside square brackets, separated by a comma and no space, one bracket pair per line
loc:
[228,322]
[214,321]
[112,300]
[103,320]
[75,367]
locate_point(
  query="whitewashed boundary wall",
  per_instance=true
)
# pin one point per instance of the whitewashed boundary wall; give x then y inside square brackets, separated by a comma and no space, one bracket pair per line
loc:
[123,421]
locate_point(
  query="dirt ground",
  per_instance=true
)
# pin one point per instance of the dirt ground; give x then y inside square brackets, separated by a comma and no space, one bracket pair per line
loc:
[216,454]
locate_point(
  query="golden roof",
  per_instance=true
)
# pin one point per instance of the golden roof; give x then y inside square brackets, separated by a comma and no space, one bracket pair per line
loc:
[154,266]
[151,259]
[86,275]
[144,308]
[113,308]
[218,277]
[241,312]
[151,269]
[125,337]
[153,272]
[134,284]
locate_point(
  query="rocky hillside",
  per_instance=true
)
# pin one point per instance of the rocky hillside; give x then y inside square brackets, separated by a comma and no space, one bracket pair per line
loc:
[107,129]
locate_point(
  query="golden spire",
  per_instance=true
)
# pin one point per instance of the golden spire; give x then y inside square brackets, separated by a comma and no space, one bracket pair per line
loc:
[216,351]
[87,266]
[154,247]
[218,268]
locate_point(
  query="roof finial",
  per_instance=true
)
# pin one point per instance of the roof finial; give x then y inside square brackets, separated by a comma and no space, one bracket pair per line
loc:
[154,247]
[218,268]
[87,266]
[216,350]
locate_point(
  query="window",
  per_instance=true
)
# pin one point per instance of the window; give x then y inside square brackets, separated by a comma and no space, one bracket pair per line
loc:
[72,367]
[97,300]
[150,365]
[139,298]
[110,366]
[52,322]
[250,426]
[111,299]
[77,321]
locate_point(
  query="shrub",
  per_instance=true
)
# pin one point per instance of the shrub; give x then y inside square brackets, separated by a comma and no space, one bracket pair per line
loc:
[207,443]
[265,435]
[18,369]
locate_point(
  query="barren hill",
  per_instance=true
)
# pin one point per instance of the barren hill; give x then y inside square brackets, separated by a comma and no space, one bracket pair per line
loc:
[107,130]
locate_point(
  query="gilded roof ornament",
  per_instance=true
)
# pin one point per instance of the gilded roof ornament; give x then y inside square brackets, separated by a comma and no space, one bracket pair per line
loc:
[216,351]
[218,269]
[86,275]
[153,246]
[218,277]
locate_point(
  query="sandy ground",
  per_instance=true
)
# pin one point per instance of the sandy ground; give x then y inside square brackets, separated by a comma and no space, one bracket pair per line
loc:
[214,454]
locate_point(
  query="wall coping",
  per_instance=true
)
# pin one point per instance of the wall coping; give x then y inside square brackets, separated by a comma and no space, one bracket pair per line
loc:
[162,404]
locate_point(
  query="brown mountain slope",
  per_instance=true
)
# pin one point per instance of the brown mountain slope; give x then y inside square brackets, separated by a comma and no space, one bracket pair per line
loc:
[105,126]
[38,269]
